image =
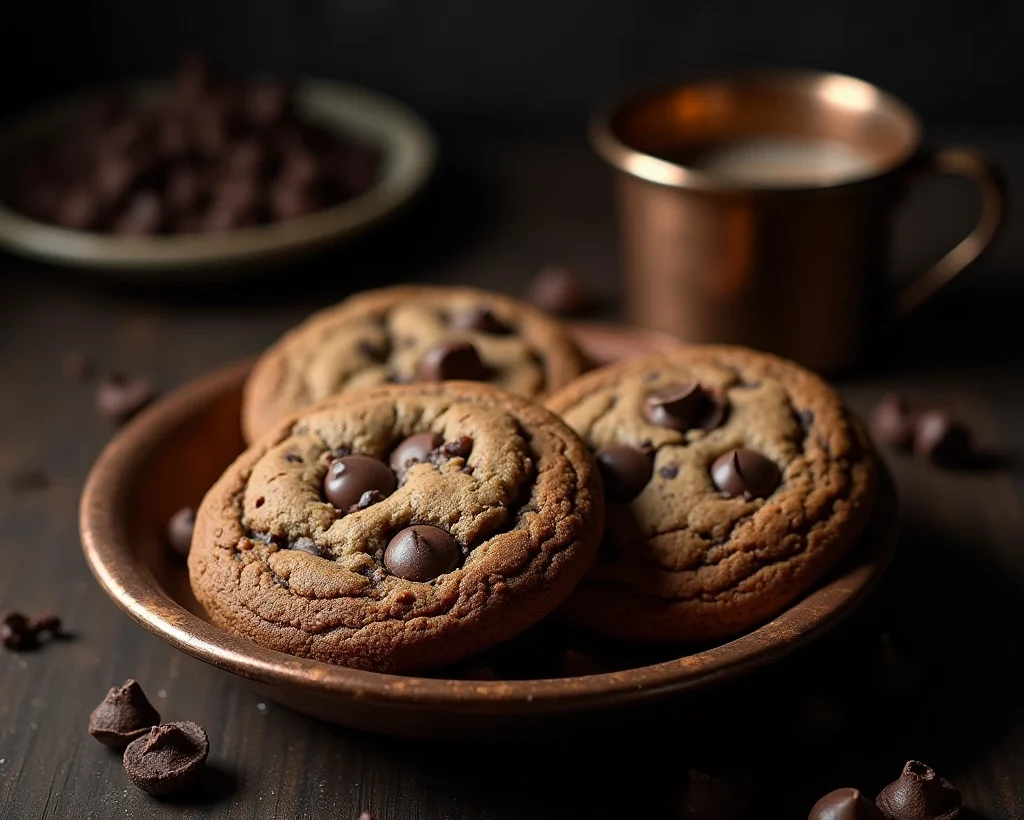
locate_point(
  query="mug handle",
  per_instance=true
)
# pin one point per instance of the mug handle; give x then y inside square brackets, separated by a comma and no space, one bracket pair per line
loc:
[971,164]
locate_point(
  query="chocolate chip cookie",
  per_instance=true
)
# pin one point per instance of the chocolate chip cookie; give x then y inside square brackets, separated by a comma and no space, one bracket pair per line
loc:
[405,334]
[399,528]
[735,480]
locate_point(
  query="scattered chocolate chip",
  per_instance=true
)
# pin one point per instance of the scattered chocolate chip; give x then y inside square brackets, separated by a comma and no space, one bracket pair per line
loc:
[481,319]
[119,397]
[559,290]
[367,499]
[28,480]
[685,406]
[892,422]
[307,545]
[669,471]
[625,471]
[941,440]
[746,473]
[179,531]
[919,794]
[124,715]
[350,476]
[168,759]
[713,796]
[414,450]
[421,553]
[77,365]
[16,633]
[451,359]
[844,804]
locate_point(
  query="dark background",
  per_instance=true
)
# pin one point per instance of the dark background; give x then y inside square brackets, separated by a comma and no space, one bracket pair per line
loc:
[475,65]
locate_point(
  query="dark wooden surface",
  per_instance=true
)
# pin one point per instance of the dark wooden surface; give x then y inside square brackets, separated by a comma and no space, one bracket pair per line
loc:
[952,605]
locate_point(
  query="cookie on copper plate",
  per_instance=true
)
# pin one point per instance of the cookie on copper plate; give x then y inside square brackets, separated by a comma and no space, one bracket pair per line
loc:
[399,528]
[404,334]
[735,480]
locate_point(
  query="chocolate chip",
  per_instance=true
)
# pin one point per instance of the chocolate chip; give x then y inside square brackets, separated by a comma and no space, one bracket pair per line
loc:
[713,796]
[844,804]
[451,359]
[746,473]
[293,458]
[168,759]
[28,480]
[124,715]
[46,624]
[941,440]
[350,476]
[307,545]
[460,447]
[919,794]
[481,319]
[119,397]
[558,290]
[144,215]
[685,406]
[414,450]
[367,499]
[267,103]
[625,471]
[79,209]
[892,422]
[15,632]
[179,531]
[669,471]
[77,365]
[421,553]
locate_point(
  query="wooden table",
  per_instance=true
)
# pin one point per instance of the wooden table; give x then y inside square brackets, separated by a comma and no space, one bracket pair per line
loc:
[952,605]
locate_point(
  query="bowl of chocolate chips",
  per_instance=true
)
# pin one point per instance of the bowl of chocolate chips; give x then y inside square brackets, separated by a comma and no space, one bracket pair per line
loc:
[206,172]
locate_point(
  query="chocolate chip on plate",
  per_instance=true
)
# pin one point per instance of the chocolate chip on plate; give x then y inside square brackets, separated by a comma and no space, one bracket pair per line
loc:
[479,318]
[414,450]
[746,473]
[713,796]
[124,715]
[892,422]
[421,553]
[349,477]
[179,531]
[920,794]
[168,759]
[625,471]
[15,632]
[559,290]
[451,360]
[844,804]
[940,439]
[119,397]
[685,406]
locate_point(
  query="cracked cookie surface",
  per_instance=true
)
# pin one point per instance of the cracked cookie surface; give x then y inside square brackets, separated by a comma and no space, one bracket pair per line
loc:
[494,503]
[392,335]
[758,481]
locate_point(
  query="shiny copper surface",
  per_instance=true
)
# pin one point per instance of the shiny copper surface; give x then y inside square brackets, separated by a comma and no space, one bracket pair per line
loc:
[796,269]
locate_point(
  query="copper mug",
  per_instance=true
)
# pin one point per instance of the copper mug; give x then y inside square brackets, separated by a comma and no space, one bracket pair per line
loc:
[757,209]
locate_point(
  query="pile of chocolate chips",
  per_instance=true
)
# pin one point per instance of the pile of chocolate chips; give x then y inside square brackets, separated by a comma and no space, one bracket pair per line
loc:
[216,155]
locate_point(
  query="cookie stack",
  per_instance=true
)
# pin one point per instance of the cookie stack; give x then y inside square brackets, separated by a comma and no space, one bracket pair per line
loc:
[431,473]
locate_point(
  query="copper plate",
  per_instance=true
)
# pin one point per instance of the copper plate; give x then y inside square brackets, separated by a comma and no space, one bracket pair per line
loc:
[170,455]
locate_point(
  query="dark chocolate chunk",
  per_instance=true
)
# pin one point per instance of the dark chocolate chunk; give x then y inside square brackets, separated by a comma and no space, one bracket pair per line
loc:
[15,632]
[481,319]
[414,450]
[451,360]
[349,477]
[625,471]
[920,794]
[714,796]
[124,715]
[421,553]
[669,471]
[168,759]
[559,290]
[844,804]
[941,440]
[119,397]
[892,422]
[179,531]
[367,499]
[746,473]
[685,406]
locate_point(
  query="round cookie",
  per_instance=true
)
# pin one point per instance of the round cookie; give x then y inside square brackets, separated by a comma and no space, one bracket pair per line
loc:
[735,481]
[477,513]
[409,333]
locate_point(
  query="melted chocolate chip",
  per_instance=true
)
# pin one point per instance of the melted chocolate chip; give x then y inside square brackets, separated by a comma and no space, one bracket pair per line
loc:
[625,471]
[684,407]
[124,715]
[179,531]
[168,759]
[421,553]
[414,450]
[941,440]
[481,319]
[367,499]
[451,359]
[892,422]
[920,794]
[746,473]
[349,477]
[844,804]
